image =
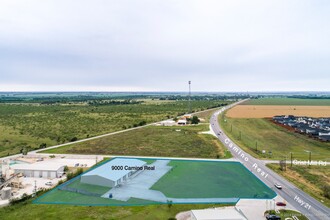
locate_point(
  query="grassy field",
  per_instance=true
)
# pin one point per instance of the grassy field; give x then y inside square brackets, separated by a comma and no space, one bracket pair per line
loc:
[29,211]
[268,111]
[211,180]
[206,115]
[64,197]
[176,141]
[207,179]
[309,179]
[288,101]
[27,126]
[272,138]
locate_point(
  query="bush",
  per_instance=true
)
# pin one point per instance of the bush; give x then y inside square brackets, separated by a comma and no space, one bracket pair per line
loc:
[326,191]
[142,123]
[19,200]
[74,174]
[73,139]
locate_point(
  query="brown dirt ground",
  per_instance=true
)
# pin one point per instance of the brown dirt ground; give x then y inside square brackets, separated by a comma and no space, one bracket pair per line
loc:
[266,111]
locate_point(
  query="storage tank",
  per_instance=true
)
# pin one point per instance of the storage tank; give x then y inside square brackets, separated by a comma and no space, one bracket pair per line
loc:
[6,193]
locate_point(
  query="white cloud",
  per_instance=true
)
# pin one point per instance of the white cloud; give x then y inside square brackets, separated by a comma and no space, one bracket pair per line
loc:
[273,45]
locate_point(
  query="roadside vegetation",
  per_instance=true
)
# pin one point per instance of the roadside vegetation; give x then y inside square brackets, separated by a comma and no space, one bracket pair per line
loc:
[256,135]
[27,210]
[284,214]
[27,126]
[205,115]
[314,180]
[173,141]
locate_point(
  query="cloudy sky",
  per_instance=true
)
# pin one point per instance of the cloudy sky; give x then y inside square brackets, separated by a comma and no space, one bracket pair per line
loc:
[126,45]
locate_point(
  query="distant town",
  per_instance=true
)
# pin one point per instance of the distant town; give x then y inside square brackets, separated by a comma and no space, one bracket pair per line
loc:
[318,128]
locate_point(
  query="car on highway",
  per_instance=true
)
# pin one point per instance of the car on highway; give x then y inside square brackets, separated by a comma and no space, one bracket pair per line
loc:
[278,186]
[280,204]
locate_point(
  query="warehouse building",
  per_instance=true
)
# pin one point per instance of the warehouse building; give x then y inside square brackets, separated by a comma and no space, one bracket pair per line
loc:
[40,170]
[113,173]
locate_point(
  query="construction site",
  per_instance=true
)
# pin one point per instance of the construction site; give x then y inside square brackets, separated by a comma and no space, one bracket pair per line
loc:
[31,173]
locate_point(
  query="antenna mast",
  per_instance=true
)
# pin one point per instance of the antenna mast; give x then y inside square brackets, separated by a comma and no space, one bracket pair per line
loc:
[189,97]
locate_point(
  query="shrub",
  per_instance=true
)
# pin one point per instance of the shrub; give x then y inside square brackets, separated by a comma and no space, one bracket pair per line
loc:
[326,191]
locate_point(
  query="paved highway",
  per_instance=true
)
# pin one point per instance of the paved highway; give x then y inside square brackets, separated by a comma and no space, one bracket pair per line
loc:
[301,201]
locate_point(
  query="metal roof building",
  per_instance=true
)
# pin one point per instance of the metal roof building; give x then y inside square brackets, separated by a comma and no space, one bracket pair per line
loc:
[112,173]
[40,169]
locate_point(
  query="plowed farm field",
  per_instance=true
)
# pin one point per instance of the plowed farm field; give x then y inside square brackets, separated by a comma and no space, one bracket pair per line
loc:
[265,111]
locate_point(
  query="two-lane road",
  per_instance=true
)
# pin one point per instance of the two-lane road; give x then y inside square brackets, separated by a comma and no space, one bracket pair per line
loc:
[304,203]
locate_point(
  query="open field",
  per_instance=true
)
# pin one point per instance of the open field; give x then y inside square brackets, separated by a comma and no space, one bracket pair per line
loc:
[30,126]
[288,101]
[309,179]
[29,211]
[211,180]
[262,134]
[265,111]
[175,141]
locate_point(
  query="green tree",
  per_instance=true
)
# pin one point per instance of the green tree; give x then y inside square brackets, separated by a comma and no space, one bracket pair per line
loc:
[195,120]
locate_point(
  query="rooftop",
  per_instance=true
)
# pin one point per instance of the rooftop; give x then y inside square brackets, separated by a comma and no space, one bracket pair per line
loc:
[106,171]
[45,166]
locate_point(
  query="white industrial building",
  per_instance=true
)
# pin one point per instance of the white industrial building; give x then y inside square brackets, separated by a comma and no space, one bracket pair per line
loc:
[105,175]
[224,213]
[40,170]
[182,122]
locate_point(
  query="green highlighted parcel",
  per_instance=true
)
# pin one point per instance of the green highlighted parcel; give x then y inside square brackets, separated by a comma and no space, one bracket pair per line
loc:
[186,182]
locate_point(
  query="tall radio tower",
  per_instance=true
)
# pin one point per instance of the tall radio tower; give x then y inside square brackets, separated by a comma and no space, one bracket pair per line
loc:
[189,97]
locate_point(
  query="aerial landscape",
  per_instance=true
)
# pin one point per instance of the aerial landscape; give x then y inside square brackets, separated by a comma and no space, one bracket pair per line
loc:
[176,110]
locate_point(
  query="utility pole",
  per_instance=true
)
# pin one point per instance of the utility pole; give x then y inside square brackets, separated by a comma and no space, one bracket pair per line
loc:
[35,189]
[256,146]
[189,101]
[310,158]
[291,158]
[240,135]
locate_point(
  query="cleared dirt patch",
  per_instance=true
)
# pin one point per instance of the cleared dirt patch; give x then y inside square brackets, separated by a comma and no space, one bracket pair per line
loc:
[265,111]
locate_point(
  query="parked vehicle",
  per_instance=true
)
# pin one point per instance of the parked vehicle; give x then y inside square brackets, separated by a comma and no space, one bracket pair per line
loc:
[49,183]
[273,217]
[280,204]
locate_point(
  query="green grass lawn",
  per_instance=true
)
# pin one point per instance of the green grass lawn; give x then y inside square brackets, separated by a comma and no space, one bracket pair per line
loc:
[271,137]
[57,196]
[197,179]
[29,211]
[309,179]
[29,125]
[175,141]
[288,101]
